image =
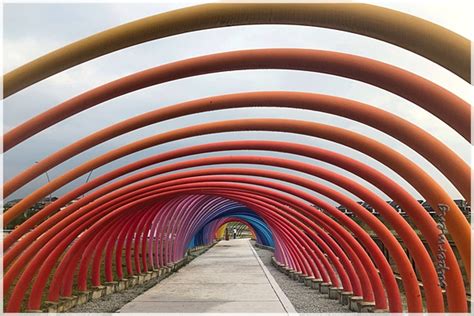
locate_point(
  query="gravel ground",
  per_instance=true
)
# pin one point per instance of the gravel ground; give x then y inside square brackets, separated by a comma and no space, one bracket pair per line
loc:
[304,299]
[114,301]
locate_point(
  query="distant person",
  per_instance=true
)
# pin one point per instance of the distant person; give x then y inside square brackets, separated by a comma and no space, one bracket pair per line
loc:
[226,233]
[235,233]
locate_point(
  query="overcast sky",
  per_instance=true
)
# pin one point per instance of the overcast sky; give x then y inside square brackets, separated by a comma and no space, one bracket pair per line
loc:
[31,30]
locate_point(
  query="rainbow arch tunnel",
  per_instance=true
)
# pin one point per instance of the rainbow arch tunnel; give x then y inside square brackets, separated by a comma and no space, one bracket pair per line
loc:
[154,209]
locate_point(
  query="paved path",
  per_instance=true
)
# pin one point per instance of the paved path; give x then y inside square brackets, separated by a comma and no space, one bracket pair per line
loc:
[229,278]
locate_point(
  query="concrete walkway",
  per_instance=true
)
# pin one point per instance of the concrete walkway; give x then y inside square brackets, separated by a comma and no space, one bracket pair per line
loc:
[229,278]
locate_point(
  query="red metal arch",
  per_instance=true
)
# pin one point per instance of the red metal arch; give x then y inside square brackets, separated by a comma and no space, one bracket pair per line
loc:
[290,146]
[428,261]
[404,167]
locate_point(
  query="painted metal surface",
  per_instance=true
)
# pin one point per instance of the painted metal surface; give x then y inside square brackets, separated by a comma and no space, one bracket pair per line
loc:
[132,221]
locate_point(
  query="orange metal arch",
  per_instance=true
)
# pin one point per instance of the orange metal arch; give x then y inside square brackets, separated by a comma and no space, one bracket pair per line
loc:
[420,36]
[418,90]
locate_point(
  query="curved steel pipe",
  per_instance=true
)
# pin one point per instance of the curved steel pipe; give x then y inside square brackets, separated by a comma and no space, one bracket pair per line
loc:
[456,222]
[422,37]
[450,164]
[429,96]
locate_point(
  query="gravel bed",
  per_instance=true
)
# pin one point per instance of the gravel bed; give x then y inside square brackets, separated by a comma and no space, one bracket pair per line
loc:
[304,299]
[113,302]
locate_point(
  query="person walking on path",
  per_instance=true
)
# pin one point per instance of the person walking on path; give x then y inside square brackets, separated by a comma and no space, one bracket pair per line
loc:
[235,233]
